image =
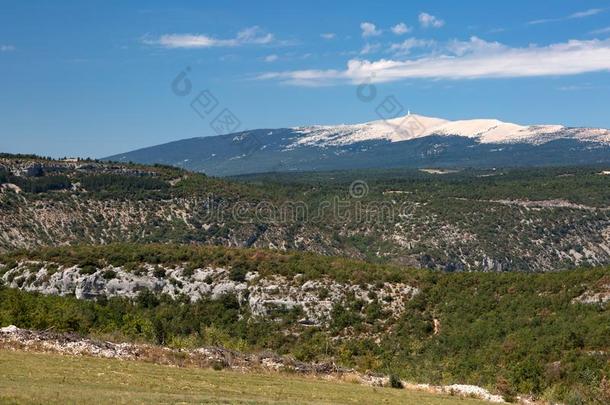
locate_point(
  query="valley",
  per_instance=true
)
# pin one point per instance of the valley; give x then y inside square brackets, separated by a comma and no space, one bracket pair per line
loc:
[417,275]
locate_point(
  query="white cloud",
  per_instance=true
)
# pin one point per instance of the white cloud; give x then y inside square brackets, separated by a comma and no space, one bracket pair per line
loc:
[401,29]
[271,58]
[496,30]
[427,20]
[474,45]
[475,59]
[586,13]
[189,41]
[370,48]
[6,48]
[369,30]
[405,47]
[251,35]
[577,15]
[576,87]
[254,35]
[601,31]
[328,35]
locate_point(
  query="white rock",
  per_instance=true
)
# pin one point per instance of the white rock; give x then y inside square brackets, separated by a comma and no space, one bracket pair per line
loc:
[477,391]
[264,294]
[9,329]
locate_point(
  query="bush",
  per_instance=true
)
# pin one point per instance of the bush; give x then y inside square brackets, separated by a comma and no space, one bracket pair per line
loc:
[52,269]
[189,271]
[109,274]
[10,265]
[395,382]
[159,272]
[218,365]
[87,269]
[42,184]
[238,274]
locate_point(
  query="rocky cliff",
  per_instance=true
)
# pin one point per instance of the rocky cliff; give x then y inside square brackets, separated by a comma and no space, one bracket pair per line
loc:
[313,299]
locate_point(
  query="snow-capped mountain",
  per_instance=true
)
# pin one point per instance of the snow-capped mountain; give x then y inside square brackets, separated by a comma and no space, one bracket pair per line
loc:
[409,141]
[417,126]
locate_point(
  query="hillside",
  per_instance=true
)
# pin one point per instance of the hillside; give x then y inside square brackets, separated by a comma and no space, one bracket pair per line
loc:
[537,334]
[412,141]
[502,220]
[61,379]
[257,267]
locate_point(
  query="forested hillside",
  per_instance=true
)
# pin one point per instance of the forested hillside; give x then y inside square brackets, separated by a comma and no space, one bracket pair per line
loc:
[541,334]
[375,270]
[503,220]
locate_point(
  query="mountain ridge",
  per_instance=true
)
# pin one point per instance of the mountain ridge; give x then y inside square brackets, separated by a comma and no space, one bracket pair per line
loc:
[487,130]
[410,141]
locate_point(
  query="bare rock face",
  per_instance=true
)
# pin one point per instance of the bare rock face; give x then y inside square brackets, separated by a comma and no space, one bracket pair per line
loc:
[263,295]
[9,329]
[597,294]
[117,282]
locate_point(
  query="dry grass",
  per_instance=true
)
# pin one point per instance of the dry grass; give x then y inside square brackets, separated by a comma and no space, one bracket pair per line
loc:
[27,377]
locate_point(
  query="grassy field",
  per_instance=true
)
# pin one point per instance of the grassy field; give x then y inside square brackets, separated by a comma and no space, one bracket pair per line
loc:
[49,378]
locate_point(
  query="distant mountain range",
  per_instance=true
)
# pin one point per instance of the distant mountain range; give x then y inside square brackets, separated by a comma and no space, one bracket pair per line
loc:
[410,141]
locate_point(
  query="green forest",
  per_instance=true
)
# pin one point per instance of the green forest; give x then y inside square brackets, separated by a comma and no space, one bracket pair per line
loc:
[513,333]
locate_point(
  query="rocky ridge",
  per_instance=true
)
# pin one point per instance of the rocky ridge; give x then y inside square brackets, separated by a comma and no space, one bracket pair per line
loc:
[262,295]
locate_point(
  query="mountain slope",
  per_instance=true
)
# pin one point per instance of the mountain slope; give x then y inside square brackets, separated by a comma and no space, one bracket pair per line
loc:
[546,334]
[410,141]
[503,220]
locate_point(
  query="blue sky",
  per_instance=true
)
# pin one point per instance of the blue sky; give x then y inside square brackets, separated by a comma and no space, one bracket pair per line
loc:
[94,78]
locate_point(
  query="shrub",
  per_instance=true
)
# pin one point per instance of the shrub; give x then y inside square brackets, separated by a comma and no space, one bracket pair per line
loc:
[87,269]
[52,269]
[109,274]
[147,299]
[11,265]
[11,277]
[189,271]
[159,272]
[505,389]
[343,317]
[176,282]
[138,270]
[238,274]
[395,382]
[218,365]
[42,184]
[8,266]
[183,342]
